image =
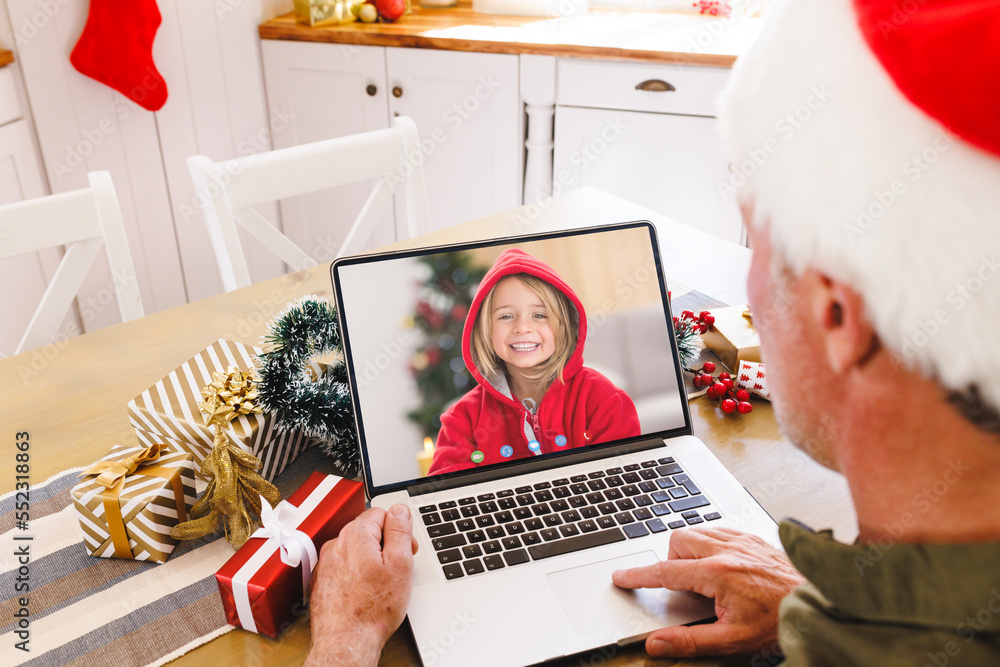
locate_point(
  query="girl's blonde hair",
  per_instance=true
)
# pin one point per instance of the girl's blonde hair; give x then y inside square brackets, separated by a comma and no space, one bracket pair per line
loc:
[562,320]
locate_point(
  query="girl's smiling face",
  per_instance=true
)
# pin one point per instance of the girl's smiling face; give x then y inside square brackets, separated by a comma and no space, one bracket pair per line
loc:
[522,333]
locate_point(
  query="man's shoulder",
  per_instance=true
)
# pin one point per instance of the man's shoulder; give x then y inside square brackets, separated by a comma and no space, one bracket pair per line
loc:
[912,604]
[813,631]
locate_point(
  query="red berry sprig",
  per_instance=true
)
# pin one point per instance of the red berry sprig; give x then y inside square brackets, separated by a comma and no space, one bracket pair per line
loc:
[721,388]
[701,322]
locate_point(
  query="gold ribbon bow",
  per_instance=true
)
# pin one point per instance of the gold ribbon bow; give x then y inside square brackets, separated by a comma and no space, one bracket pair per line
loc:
[112,475]
[232,499]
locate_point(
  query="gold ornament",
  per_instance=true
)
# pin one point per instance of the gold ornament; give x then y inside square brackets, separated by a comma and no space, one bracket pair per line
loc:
[232,499]
[326,12]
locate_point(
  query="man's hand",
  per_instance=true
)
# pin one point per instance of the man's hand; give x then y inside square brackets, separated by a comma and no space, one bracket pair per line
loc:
[361,588]
[745,576]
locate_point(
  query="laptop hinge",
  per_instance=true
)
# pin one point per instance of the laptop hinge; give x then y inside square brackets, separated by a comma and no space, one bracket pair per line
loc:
[529,466]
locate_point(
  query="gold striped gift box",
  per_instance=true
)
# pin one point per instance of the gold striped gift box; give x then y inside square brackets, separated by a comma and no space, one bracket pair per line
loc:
[168,412]
[151,490]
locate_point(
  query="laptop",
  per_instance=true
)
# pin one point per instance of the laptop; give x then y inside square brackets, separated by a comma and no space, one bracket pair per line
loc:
[563,453]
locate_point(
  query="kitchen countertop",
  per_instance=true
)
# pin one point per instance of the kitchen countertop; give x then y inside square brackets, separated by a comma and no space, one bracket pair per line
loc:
[6,57]
[663,37]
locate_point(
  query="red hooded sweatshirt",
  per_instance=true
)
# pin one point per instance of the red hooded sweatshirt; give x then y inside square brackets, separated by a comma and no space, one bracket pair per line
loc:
[584,408]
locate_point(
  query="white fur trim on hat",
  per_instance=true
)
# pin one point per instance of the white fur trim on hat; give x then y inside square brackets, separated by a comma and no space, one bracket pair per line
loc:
[858,183]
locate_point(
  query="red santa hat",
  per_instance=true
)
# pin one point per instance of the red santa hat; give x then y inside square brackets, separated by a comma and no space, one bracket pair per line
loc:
[867,136]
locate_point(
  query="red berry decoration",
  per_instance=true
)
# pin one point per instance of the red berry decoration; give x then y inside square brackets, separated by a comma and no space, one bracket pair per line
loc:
[728,406]
[727,383]
[743,395]
[709,367]
[718,389]
[709,319]
[744,408]
[725,376]
[687,315]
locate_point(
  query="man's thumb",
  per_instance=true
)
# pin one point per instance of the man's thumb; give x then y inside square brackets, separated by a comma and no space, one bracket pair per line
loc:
[397,532]
[688,642]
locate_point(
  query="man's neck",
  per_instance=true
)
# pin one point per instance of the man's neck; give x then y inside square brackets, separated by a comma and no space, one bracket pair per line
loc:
[918,471]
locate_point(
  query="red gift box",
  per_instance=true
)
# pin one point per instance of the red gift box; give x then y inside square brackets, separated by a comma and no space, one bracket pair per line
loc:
[260,592]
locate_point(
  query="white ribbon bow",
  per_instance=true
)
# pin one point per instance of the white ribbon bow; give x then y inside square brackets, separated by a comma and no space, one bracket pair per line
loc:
[294,546]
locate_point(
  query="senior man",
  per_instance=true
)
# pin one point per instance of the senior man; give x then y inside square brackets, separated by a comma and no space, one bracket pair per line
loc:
[864,140]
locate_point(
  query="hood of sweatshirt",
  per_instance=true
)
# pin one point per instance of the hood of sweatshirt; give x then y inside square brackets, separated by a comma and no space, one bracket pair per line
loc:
[513,262]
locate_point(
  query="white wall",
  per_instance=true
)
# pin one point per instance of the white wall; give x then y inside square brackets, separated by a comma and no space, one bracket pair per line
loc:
[209,55]
[23,278]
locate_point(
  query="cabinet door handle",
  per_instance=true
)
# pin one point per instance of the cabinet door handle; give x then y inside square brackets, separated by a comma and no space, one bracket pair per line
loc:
[371,89]
[655,86]
[397,91]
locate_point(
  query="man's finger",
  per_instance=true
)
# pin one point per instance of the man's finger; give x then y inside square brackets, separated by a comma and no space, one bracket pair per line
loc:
[362,536]
[679,575]
[397,535]
[695,640]
[698,543]
[370,522]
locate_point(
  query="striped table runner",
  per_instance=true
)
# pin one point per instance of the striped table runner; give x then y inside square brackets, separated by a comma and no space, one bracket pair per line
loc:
[107,611]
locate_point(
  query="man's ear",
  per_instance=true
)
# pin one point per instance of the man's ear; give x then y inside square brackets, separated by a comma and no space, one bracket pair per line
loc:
[842,323]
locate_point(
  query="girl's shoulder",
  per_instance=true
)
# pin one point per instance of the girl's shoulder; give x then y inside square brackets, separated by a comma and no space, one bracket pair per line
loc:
[588,374]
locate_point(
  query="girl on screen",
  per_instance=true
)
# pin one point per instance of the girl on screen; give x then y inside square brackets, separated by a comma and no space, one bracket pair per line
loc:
[523,343]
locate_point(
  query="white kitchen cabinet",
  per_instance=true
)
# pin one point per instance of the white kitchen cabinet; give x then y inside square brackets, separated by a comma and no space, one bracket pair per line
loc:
[465,105]
[657,147]
[467,110]
[323,91]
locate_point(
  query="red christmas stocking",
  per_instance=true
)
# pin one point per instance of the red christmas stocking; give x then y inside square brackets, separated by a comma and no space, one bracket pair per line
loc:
[116,48]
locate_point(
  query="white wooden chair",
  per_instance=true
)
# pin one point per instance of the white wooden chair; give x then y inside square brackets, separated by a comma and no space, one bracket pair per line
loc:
[233,187]
[83,221]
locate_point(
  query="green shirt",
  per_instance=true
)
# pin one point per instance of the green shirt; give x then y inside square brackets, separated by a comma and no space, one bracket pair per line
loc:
[918,605]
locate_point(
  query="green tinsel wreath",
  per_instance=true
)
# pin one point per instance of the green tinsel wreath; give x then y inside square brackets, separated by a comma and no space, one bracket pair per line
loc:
[321,408]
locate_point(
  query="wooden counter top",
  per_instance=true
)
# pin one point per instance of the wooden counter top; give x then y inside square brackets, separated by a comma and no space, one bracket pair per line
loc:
[613,35]
[6,57]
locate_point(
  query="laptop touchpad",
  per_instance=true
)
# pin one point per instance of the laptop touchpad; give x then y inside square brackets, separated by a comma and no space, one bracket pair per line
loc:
[593,603]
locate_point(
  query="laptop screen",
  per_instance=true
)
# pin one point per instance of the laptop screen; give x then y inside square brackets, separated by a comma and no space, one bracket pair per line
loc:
[484,354]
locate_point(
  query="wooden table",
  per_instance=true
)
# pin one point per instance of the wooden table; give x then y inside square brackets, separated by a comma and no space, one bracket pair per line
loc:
[71,396]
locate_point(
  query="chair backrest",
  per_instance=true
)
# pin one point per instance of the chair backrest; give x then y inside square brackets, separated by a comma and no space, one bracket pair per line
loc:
[83,221]
[232,188]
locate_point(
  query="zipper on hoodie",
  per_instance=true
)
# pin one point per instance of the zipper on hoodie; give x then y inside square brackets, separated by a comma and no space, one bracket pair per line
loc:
[535,426]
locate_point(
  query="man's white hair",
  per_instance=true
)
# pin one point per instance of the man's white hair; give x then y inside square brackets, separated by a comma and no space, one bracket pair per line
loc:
[861,185]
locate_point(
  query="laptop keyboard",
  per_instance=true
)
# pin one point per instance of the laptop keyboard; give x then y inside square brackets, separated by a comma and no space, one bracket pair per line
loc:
[492,531]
